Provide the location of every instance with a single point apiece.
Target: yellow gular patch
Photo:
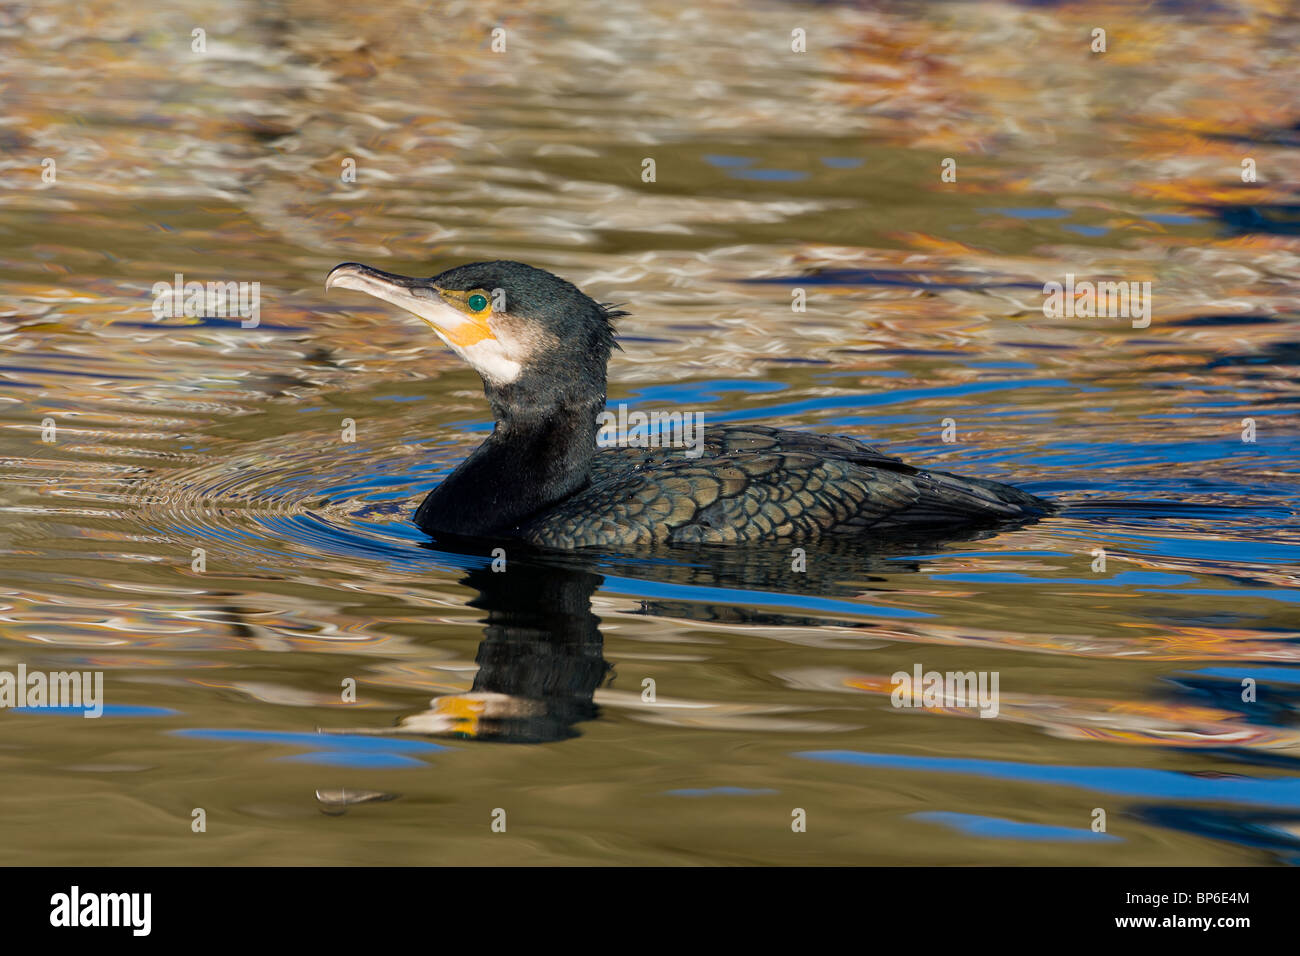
(470, 332)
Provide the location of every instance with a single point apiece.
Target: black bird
(541, 347)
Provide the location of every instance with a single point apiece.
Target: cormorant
(541, 347)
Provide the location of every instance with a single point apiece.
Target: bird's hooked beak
(446, 310)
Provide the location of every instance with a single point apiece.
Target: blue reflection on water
(1123, 579)
(1121, 781)
(769, 175)
(334, 750)
(641, 587)
(728, 162)
(1001, 829)
(1282, 675)
(110, 710)
(1030, 212)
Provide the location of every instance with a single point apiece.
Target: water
(1121, 689)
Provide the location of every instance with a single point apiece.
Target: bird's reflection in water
(755, 578)
(541, 659)
(539, 664)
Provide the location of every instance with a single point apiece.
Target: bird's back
(754, 483)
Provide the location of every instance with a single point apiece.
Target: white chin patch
(489, 359)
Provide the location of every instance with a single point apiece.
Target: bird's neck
(536, 455)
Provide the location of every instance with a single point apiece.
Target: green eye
(478, 302)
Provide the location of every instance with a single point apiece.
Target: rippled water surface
(1121, 689)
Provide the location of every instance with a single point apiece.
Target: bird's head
(525, 331)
